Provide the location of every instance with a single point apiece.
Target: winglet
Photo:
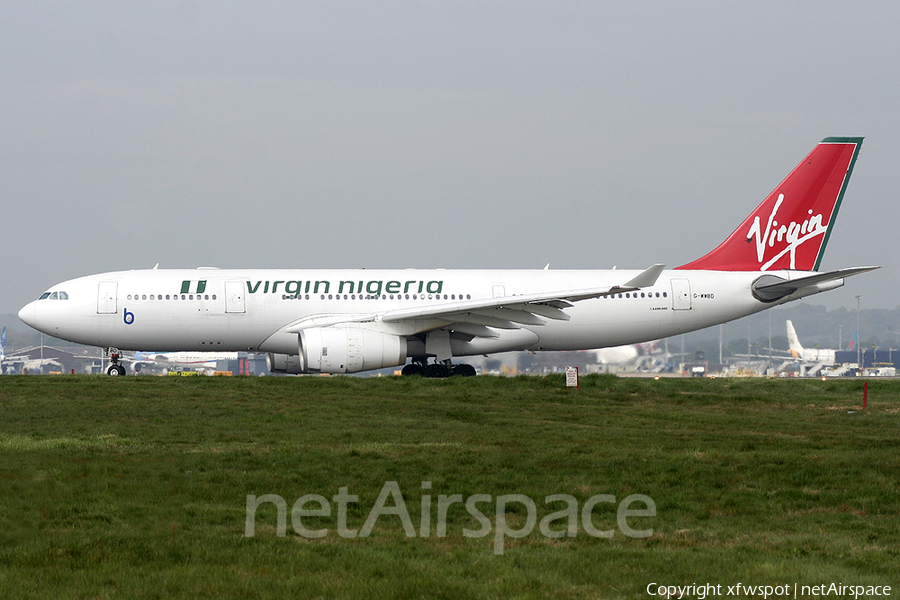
(646, 278)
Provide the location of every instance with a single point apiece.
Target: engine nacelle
(284, 363)
(338, 350)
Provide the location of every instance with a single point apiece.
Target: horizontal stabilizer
(771, 288)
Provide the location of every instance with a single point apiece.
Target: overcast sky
(432, 134)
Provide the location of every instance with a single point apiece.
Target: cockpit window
(54, 296)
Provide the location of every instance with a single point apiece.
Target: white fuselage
(184, 359)
(250, 310)
(816, 355)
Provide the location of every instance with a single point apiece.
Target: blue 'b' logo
(128, 316)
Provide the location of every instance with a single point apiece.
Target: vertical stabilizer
(791, 227)
(794, 341)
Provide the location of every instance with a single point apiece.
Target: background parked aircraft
(187, 360)
(808, 355)
(10, 363)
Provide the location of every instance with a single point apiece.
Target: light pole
(721, 330)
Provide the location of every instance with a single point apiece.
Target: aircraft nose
(26, 315)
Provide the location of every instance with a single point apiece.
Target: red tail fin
(790, 228)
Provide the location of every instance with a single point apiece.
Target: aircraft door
(234, 297)
(106, 298)
(499, 291)
(681, 294)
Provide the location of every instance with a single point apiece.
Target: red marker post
(865, 395)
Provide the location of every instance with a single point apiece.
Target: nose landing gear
(115, 368)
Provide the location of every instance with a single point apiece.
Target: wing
(480, 318)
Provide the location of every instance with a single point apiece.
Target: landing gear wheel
(115, 369)
(412, 369)
(437, 371)
(463, 371)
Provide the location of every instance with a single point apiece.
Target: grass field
(138, 486)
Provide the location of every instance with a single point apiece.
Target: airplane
(193, 360)
(620, 355)
(349, 321)
(7, 362)
(807, 355)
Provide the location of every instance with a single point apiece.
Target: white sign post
(572, 377)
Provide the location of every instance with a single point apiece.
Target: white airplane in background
(347, 321)
(807, 355)
(619, 355)
(192, 360)
(9, 361)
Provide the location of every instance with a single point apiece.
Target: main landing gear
(438, 370)
(115, 368)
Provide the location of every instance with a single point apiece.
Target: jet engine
(340, 350)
